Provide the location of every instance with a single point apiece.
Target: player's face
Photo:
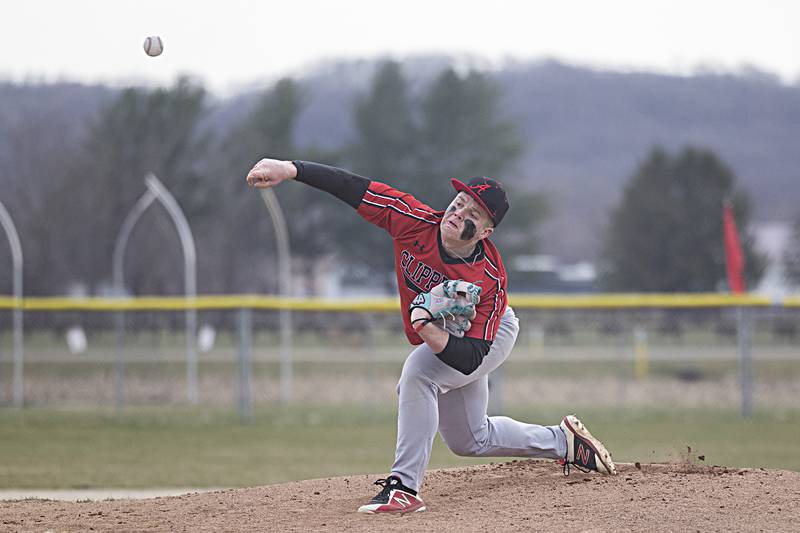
(465, 220)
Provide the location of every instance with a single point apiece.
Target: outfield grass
(180, 447)
(769, 370)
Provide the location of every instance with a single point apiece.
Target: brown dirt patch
(519, 495)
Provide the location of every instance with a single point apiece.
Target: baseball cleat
(393, 498)
(583, 450)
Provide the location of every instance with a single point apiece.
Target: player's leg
(467, 429)
(424, 378)
(417, 420)
(417, 414)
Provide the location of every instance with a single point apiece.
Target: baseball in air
(153, 46)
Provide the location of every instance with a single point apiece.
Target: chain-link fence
(623, 354)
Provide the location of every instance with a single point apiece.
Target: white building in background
(772, 238)
(548, 273)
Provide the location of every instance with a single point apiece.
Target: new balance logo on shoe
(401, 499)
(583, 454)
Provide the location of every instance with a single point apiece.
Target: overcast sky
(236, 42)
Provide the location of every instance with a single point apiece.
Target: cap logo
(488, 193)
(480, 188)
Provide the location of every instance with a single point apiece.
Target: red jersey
(421, 263)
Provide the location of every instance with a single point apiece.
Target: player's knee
(465, 442)
(464, 448)
(416, 382)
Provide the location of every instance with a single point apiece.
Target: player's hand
(270, 172)
(447, 300)
(456, 326)
(465, 292)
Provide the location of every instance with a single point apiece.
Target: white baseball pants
(432, 396)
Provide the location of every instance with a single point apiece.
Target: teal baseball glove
(445, 302)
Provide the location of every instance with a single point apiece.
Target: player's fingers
(253, 176)
(258, 176)
(438, 290)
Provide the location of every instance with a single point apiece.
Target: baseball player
(453, 297)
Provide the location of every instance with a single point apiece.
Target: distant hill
(43, 117)
(585, 131)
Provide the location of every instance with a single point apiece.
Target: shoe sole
(600, 451)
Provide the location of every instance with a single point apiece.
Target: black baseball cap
(488, 193)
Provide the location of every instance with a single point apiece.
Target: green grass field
(769, 370)
(188, 447)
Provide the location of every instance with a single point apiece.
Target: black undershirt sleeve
(465, 354)
(346, 186)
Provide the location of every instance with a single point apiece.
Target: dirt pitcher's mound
(516, 496)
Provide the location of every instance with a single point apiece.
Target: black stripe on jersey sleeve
(465, 354)
(343, 184)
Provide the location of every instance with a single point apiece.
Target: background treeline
(581, 151)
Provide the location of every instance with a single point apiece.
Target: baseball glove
(456, 326)
(446, 301)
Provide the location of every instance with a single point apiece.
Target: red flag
(734, 258)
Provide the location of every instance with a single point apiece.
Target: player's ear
(487, 231)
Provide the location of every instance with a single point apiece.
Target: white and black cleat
(583, 450)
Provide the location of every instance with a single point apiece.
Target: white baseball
(153, 46)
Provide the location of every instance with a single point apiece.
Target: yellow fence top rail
(179, 303)
(791, 301)
(616, 301)
(519, 301)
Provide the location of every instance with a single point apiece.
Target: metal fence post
(16, 258)
(641, 356)
(743, 336)
(286, 356)
(369, 321)
(118, 277)
(285, 289)
(189, 279)
(119, 362)
(245, 364)
(536, 338)
(19, 357)
(622, 360)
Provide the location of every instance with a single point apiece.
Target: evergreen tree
(666, 234)
(245, 258)
(141, 131)
(385, 148)
(454, 129)
(386, 129)
(463, 134)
